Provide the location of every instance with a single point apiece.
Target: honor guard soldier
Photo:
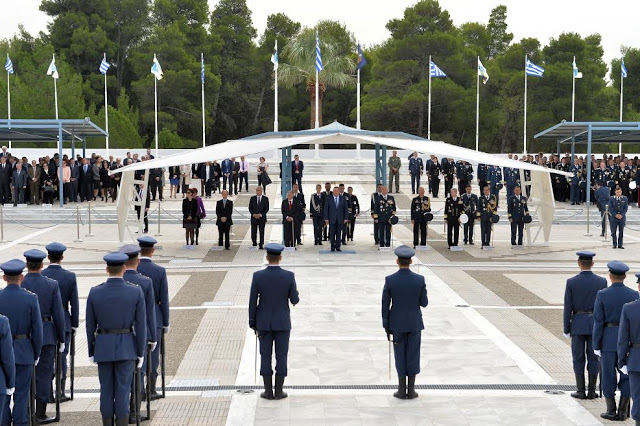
(132, 276)
(494, 176)
(403, 294)
(517, 209)
(453, 209)
(21, 307)
(271, 291)
(317, 214)
(486, 209)
(575, 171)
(374, 203)
(354, 211)
(512, 179)
(606, 314)
(579, 298)
(629, 353)
(470, 202)
(618, 206)
(7, 363)
(448, 169)
(53, 325)
(68, 286)
(416, 169)
(385, 208)
(420, 206)
(158, 276)
(116, 338)
(482, 176)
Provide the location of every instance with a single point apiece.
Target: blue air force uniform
(158, 276)
(606, 315)
(517, 209)
(629, 350)
(68, 286)
(579, 299)
(403, 294)
(576, 172)
(116, 338)
(21, 307)
(618, 206)
(384, 209)
(53, 327)
(494, 175)
(7, 363)
(602, 196)
(415, 169)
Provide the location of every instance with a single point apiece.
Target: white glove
(91, 360)
(37, 361)
(152, 346)
(74, 328)
(10, 391)
(140, 362)
(624, 370)
(598, 353)
(61, 348)
(166, 329)
(567, 335)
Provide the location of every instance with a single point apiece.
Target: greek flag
(623, 69)
(156, 69)
(436, 72)
(533, 69)
(53, 71)
(482, 72)
(202, 67)
(9, 65)
(104, 66)
(576, 72)
(274, 57)
(362, 61)
(319, 66)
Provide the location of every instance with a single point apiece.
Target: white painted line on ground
(379, 339)
(27, 237)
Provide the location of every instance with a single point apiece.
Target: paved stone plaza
(491, 348)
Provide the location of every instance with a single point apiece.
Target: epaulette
(30, 292)
(130, 283)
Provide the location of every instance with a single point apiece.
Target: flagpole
(55, 90)
(358, 124)
(8, 101)
(275, 85)
(525, 105)
(155, 87)
(317, 100)
(573, 97)
(204, 131)
(477, 104)
(429, 102)
(106, 107)
(621, 103)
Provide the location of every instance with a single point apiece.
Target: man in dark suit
(403, 294)
(299, 198)
(297, 167)
(6, 173)
(74, 170)
(290, 214)
(19, 182)
(258, 208)
(234, 176)
(336, 215)
(155, 182)
(316, 208)
(227, 171)
(224, 209)
(86, 181)
(207, 174)
(579, 298)
(146, 207)
(270, 318)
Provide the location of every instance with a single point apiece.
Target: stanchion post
(158, 234)
(2, 240)
(78, 239)
(89, 210)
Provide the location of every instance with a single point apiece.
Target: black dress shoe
(338, 249)
(333, 249)
(620, 247)
(261, 248)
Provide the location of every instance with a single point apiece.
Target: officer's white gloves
(91, 360)
(166, 329)
(61, 348)
(567, 335)
(624, 369)
(152, 346)
(10, 391)
(37, 361)
(598, 353)
(140, 362)
(74, 328)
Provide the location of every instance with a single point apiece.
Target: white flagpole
(358, 125)
(55, 90)
(525, 105)
(478, 105)
(275, 86)
(155, 87)
(621, 103)
(429, 108)
(8, 101)
(106, 108)
(573, 97)
(317, 100)
(204, 131)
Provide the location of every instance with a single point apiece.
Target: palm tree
(300, 67)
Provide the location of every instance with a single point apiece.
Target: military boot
(41, 411)
(279, 394)
(610, 414)
(268, 388)
(580, 394)
(154, 392)
(623, 408)
(411, 392)
(122, 421)
(61, 395)
(592, 387)
(107, 421)
(132, 413)
(402, 388)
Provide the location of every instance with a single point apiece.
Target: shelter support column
(381, 164)
(60, 184)
(573, 148)
(588, 179)
(84, 148)
(285, 185)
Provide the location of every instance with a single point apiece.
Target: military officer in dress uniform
(512, 179)
(494, 176)
(353, 208)
(374, 203)
(403, 294)
(271, 291)
(317, 208)
(575, 171)
(606, 315)
(68, 286)
(158, 276)
(21, 307)
(385, 208)
(53, 325)
(629, 353)
(470, 202)
(7, 363)
(453, 209)
(482, 177)
(434, 176)
(517, 209)
(618, 206)
(420, 206)
(602, 196)
(579, 298)
(416, 169)
(116, 338)
(486, 209)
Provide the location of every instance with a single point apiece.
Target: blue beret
(56, 248)
(147, 241)
(585, 254)
(130, 250)
(617, 268)
(115, 259)
(13, 267)
(34, 255)
(404, 252)
(274, 248)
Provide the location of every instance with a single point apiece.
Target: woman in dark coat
(105, 180)
(189, 216)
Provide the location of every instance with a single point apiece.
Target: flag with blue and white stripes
(274, 56)
(202, 67)
(9, 65)
(319, 66)
(104, 66)
(436, 72)
(482, 72)
(576, 71)
(623, 69)
(533, 69)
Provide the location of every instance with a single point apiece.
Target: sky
(615, 20)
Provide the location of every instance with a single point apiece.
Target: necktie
(289, 205)
(224, 203)
(259, 198)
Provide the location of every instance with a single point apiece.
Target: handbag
(266, 180)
